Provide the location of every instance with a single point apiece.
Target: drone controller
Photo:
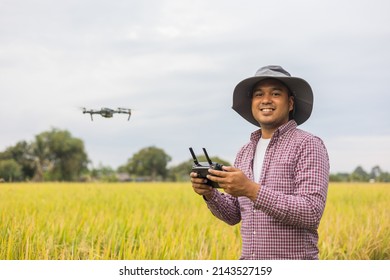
(201, 168)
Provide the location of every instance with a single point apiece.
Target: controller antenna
(207, 156)
(194, 157)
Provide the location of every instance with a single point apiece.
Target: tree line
(360, 175)
(56, 155)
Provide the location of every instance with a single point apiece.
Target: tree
(359, 175)
(41, 152)
(181, 171)
(378, 175)
(376, 172)
(383, 177)
(10, 170)
(22, 154)
(104, 173)
(339, 177)
(54, 155)
(150, 162)
(59, 156)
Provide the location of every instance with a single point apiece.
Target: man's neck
(266, 134)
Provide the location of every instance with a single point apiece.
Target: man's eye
(257, 94)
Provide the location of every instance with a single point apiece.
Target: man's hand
(200, 187)
(234, 182)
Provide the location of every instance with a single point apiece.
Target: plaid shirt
(282, 223)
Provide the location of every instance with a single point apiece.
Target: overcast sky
(175, 64)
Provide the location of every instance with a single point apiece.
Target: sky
(175, 63)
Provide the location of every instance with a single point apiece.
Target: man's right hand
(200, 187)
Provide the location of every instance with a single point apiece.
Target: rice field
(167, 221)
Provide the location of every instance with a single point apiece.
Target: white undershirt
(259, 157)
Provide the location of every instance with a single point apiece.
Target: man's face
(271, 104)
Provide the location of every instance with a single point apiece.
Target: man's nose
(266, 99)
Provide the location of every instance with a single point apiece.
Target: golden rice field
(167, 221)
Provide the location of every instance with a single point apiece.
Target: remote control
(201, 168)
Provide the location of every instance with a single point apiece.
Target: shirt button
(254, 233)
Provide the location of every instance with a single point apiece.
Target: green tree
(40, 150)
(359, 175)
(150, 163)
(59, 156)
(339, 177)
(376, 171)
(383, 177)
(10, 170)
(54, 155)
(23, 155)
(104, 173)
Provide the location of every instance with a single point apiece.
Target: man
(278, 186)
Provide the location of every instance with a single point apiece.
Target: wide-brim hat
(300, 89)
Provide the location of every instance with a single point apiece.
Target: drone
(107, 112)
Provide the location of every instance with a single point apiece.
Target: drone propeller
(124, 109)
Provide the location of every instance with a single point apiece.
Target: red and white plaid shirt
(282, 223)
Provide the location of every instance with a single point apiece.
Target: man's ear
(291, 103)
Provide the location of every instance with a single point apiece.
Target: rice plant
(166, 221)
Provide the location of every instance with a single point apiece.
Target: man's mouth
(267, 109)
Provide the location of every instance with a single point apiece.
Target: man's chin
(271, 124)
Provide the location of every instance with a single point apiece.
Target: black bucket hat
(300, 89)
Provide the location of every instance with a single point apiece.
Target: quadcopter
(107, 112)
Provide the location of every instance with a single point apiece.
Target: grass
(356, 222)
(166, 221)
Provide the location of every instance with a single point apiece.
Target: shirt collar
(256, 135)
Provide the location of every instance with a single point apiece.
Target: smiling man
(278, 186)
